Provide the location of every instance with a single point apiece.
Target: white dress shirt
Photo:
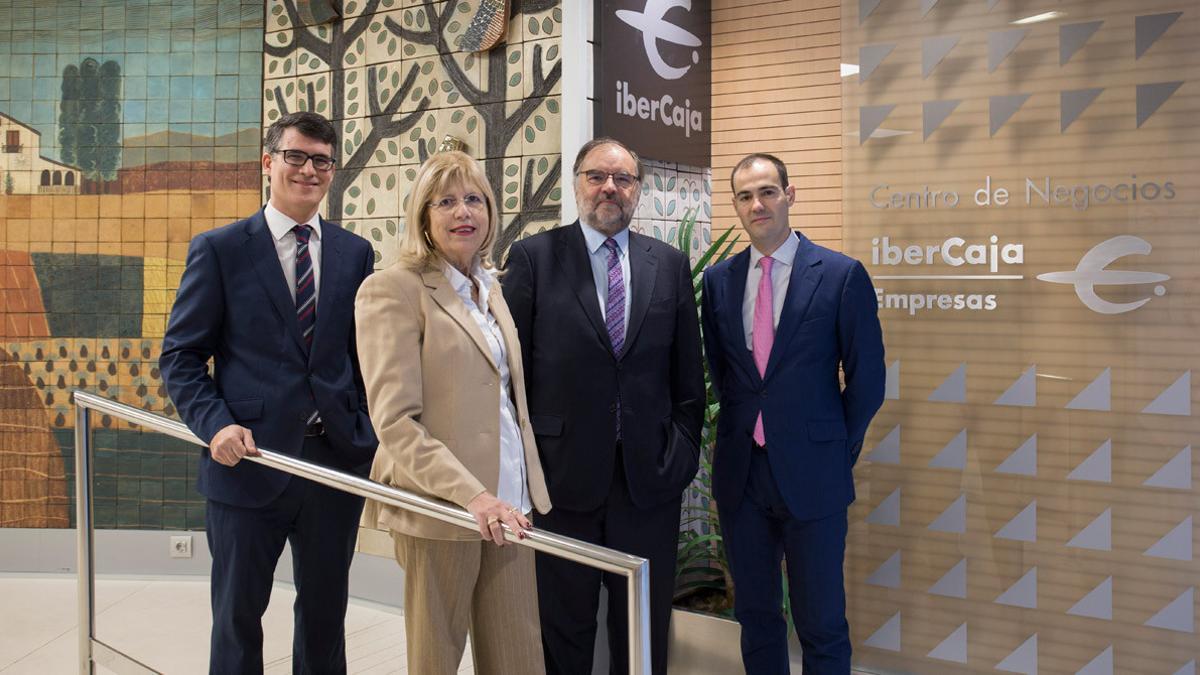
(285, 247)
(598, 255)
(512, 486)
(781, 273)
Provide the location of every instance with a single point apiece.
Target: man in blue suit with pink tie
(270, 300)
(780, 319)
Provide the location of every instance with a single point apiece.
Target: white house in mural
(23, 171)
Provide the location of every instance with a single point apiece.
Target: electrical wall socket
(181, 546)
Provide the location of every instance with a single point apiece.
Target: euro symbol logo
(1090, 273)
(654, 28)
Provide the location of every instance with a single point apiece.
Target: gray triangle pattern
(1149, 28)
(869, 119)
(1071, 105)
(1095, 396)
(933, 113)
(888, 449)
(953, 455)
(891, 389)
(1001, 108)
(927, 5)
(953, 648)
(1097, 536)
(1023, 659)
(869, 58)
(1178, 615)
(1023, 392)
(888, 511)
(1175, 399)
(887, 574)
(1023, 460)
(954, 388)
(1175, 474)
(1150, 98)
(1001, 44)
(933, 50)
(953, 584)
(1176, 544)
(992, 3)
(1188, 668)
(1023, 526)
(1097, 467)
(1072, 37)
(1101, 665)
(953, 519)
(1097, 604)
(1023, 593)
(887, 637)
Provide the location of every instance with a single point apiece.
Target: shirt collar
(462, 285)
(785, 254)
(595, 238)
(280, 224)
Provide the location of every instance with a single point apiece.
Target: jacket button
(762, 394)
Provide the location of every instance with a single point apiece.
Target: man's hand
(231, 444)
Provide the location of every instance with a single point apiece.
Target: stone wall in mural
(127, 128)
(393, 76)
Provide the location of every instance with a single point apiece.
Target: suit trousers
(758, 535)
(321, 523)
(569, 592)
(452, 588)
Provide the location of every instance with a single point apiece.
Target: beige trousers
(452, 588)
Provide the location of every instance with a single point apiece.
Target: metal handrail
(91, 650)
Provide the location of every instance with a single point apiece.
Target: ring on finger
(492, 520)
(514, 510)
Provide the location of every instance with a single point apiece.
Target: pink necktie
(763, 332)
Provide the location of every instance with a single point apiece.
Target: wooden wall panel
(777, 89)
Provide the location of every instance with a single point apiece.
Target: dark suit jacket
(573, 378)
(814, 427)
(233, 305)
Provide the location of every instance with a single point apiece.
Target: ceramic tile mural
(669, 191)
(128, 127)
(393, 79)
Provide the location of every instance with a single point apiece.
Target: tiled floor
(164, 622)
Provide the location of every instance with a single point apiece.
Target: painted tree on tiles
(399, 124)
(500, 126)
(89, 120)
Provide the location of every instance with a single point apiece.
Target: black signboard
(654, 77)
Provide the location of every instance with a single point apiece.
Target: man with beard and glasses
(611, 346)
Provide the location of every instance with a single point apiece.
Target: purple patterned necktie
(306, 296)
(614, 311)
(614, 308)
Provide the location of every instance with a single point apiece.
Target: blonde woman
(442, 368)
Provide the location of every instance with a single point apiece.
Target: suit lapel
(508, 329)
(330, 277)
(735, 293)
(260, 249)
(572, 257)
(643, 270)
(446, 298)
(806, 277)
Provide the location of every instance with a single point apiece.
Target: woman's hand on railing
(231, 444)
(490, 512)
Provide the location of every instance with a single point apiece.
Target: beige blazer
(432, 393)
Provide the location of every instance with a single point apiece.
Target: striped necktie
(306, 287)
(614, 308)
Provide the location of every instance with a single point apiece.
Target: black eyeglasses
(300, 157)
(620, 179)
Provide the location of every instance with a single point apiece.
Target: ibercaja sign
(654, 77)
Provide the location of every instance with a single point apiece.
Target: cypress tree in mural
(89, 120)
(9, 186)
(333, 43)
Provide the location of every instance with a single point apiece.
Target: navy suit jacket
(573, 379)
(234, 306)
(814, 426)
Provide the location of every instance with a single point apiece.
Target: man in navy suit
(611, 347)
(779, 319)
(270, 300)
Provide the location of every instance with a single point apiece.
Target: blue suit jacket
(233, 306)
(814, 426)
